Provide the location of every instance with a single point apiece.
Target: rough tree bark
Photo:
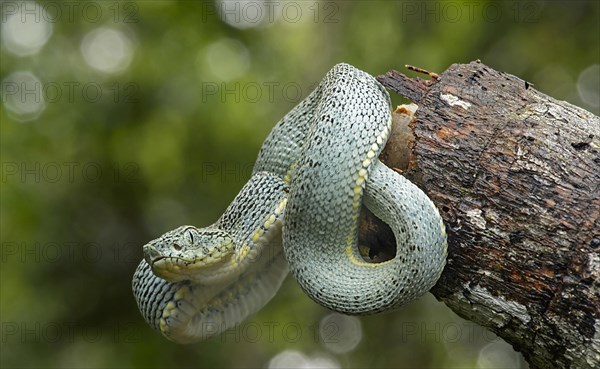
(516, 175)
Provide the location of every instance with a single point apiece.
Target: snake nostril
(176, 247)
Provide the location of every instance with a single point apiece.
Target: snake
(298, 214)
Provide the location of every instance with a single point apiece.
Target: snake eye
(190, 236)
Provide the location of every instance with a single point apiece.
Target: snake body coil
(314, 172)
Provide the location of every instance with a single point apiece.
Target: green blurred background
(122, 120)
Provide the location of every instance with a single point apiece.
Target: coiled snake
(300, 208)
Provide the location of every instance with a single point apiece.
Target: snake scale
(300, 210)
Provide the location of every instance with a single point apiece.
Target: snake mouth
(173, 263)
(188, 263)
(153, 261)
(177, 268)
(155, 258)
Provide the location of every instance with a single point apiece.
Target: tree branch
(516, 176)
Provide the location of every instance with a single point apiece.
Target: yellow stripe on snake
(300, 210)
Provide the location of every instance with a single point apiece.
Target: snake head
(190, 253)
